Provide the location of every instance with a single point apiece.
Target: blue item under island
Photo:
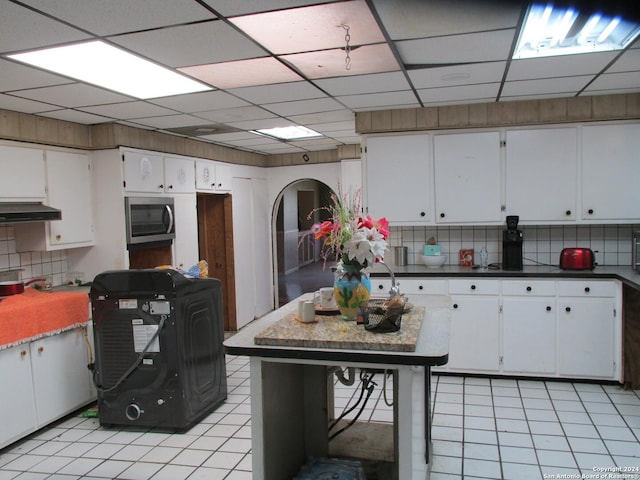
(292, 395)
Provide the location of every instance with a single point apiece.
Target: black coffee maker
(512, 245)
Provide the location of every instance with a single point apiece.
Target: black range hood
(20, 212)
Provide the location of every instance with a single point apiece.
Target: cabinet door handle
(23, 353)
(590, 211)
(169, 187)
(161, 186)
(423, 214)
(528, 289)
(548, 308)
(442, 215)
(40, 349)
(567, 213)
(455, 305)
(567, 309)
(473, 287)
(213, 185)
(420, 287)
(380, 287)
(58, 237)
(587, 289)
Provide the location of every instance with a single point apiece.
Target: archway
(298, 267)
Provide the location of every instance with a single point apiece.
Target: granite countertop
(627, 275)
(335, 344)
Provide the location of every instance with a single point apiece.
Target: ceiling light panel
(243, 73)
(331, 63)
(312, 28)
(101, 64)
(293, 132)
(559, 30)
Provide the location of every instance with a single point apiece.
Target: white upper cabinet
(399, 179)
(213, 177)
(541, 174)
(610, 172)
(69, 189)
(179, 175)
(467, 178)
(23, 173)
(143, 172)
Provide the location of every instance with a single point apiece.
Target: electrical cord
(368, 385)
(384, 389)
(135, 364)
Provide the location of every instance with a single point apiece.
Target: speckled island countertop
(423, 338)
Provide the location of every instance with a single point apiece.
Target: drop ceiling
(275, 63)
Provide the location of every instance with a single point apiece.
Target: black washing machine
(158, 340)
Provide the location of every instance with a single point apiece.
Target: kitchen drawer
(474, 287)
(534, 288)
(586, 288)
(380, 287)
(419, 286)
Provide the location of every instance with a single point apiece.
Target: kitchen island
(291, 390)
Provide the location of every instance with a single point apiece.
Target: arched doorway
(297, 263)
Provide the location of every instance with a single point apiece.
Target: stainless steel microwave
(150, 221)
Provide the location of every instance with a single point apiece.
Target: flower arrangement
(349, 237)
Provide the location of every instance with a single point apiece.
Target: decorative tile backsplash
(542, 244)
(31, 264)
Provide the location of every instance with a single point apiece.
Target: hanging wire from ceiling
(347, 48)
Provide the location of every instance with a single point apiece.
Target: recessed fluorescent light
(550, 30)
(294, 132)
(106, 66)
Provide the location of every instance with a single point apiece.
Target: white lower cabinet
(586, 338)
(475, 334)
(529, 335)
(60, 376)
(18, 403)
(41, 382)
(533, 327)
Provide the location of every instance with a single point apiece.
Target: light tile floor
(488, 428)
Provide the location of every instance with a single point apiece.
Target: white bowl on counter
(434, 261)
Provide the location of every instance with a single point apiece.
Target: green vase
(352, 289)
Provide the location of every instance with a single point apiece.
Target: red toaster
(577, 259)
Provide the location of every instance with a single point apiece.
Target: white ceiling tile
(22, 29)
(348, 126)
(303, 106)
(280, 92)
(107, 18)
(419, 18)
(15, 76)
(628, 62)
(372, 83)
(463, 93)
(331, 63)
(230, 137)
(261, 124)
(236, 114)
(241, 7)
(73, 95)
(629, 81)
(376, 100)
(472, 47)
(170, 121)
(323, 117)
(76, 117)
(568, 86)
(468, 74)
(198, 44)
(560, 66)
(128, 110)
(200, 102)
(312, 27)
(243, 73)
(9, 102)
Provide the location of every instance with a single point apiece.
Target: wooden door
(215, 245)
